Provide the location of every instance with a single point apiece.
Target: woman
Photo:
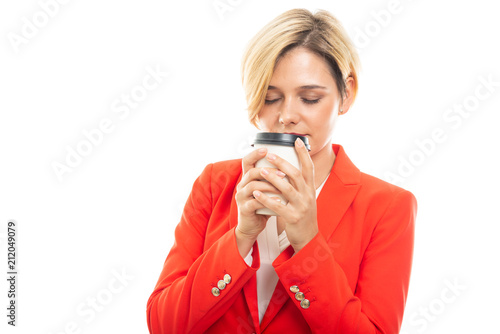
(337, 258)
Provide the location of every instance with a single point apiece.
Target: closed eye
(310, 101)
(304, 100)
(271, 101)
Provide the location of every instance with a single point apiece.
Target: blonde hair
(320, 33)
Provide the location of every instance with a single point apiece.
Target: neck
(323, 163)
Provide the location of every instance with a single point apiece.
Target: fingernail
(264, 171)
(299, 142)
(262, 151)
(280, 173)
(271, 156)
(256, 193)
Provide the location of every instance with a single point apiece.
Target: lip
(295, 133)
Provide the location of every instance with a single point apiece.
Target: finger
(305, 161)
(293, 173)
(262, 186)
(250, 206)
(272, 203)
(253, 180)
(284, 187)
(254, 174)
(251, 158)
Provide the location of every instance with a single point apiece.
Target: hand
(299, 214)
(251, 224)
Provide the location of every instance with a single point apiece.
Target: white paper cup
(283, 145)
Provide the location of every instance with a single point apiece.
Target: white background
(116, 211)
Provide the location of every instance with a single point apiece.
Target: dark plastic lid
(276, 138)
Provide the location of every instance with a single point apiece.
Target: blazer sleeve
(378, 302)
(182, 301)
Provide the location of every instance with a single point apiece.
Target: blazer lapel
(337, 193)
(335, 197)
(278, 299)
(250, 292)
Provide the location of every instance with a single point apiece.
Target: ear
(348, 97)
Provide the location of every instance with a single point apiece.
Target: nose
(288, 113)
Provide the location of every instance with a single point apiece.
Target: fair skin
(302, 98)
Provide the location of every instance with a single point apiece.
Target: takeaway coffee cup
(283, 145)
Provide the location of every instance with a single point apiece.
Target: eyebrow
(301, 87)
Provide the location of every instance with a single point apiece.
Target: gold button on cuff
(305, 304)
(221, 284)
(227, 278)
(299, 296)
(215, 292)
(294, 289)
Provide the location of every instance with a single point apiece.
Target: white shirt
(270, 246)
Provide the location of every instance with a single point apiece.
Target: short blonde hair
(320, 33)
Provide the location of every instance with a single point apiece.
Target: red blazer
(355, 272)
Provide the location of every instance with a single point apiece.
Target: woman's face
(303, 99)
